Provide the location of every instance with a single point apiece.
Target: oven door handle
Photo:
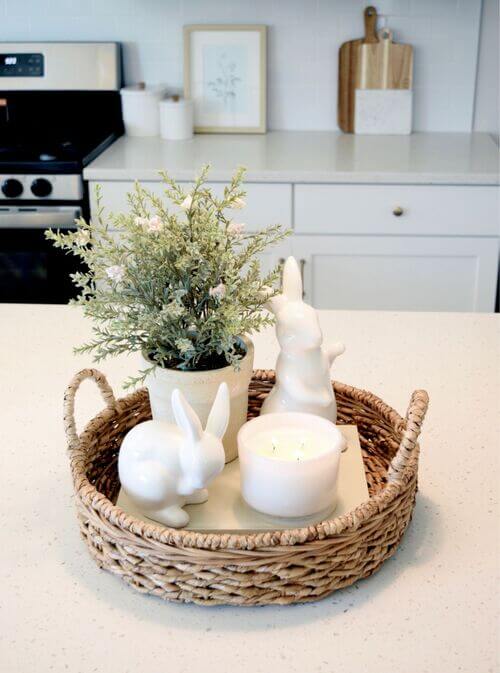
(47, 218)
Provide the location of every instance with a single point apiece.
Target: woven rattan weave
(280, 567)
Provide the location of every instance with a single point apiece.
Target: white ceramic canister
(140, 112)
(176, 118)
(200, 389)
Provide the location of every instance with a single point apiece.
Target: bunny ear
(276, 303)
(292, 280)
(185, 417)
(218, 417)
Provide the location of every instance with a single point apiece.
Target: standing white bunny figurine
(303, 366)
(163, 467)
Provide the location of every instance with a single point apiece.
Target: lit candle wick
(300, 452)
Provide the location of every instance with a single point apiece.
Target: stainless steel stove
(59, 109)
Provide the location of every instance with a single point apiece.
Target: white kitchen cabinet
(399, 273)
(398, 247)
(416, 247)
(266, 203)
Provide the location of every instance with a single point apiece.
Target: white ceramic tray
(226, 511)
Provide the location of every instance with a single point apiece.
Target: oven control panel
(21, 65)
(41, 187)
(59, 66)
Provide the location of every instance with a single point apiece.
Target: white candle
(289, 464)
(289, 444)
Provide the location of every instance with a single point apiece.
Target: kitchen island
(431, 607)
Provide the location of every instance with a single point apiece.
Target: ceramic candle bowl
(289, 463)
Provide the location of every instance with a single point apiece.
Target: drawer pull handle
(302, 263)
(281, 266)
(398, 211)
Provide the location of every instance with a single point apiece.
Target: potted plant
(179, 281)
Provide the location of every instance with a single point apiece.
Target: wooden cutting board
(384, 64)
(349, 71)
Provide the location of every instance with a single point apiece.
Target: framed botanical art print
(225, 76)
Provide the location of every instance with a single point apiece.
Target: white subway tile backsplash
(341, 7)
(303, 41)
(393, 7)
(105, 8)
(445, 8)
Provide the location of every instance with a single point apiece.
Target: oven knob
(12, 188)
(41, 187)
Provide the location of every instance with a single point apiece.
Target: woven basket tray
(280, 567)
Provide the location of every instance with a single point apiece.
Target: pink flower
(82, 237)
(218, 291)
(187, 203)
(141, 221)
(238, 203)
(154, 225)
(116, 272)
(235, 228)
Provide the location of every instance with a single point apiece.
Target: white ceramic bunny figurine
(303, 366)
(163, 467)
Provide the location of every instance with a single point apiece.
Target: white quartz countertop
(307, 156)
(430, 609)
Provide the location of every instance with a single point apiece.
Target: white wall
(486, 113)
(304, 37)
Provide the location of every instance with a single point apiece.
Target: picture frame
(225, 76)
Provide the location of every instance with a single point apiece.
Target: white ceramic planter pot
(200, 388)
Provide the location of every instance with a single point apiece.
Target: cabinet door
(399, 273)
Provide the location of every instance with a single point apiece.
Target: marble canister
(383, 111)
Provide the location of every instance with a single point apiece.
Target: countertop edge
(124, 175)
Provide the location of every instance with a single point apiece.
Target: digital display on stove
(21, 65)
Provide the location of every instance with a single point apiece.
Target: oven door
(31, 269)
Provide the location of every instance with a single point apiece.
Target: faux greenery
(181, 284)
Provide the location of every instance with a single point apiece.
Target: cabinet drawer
(397, 210)
(266, 203)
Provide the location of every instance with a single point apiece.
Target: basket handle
(413, 422)
(69, 400)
